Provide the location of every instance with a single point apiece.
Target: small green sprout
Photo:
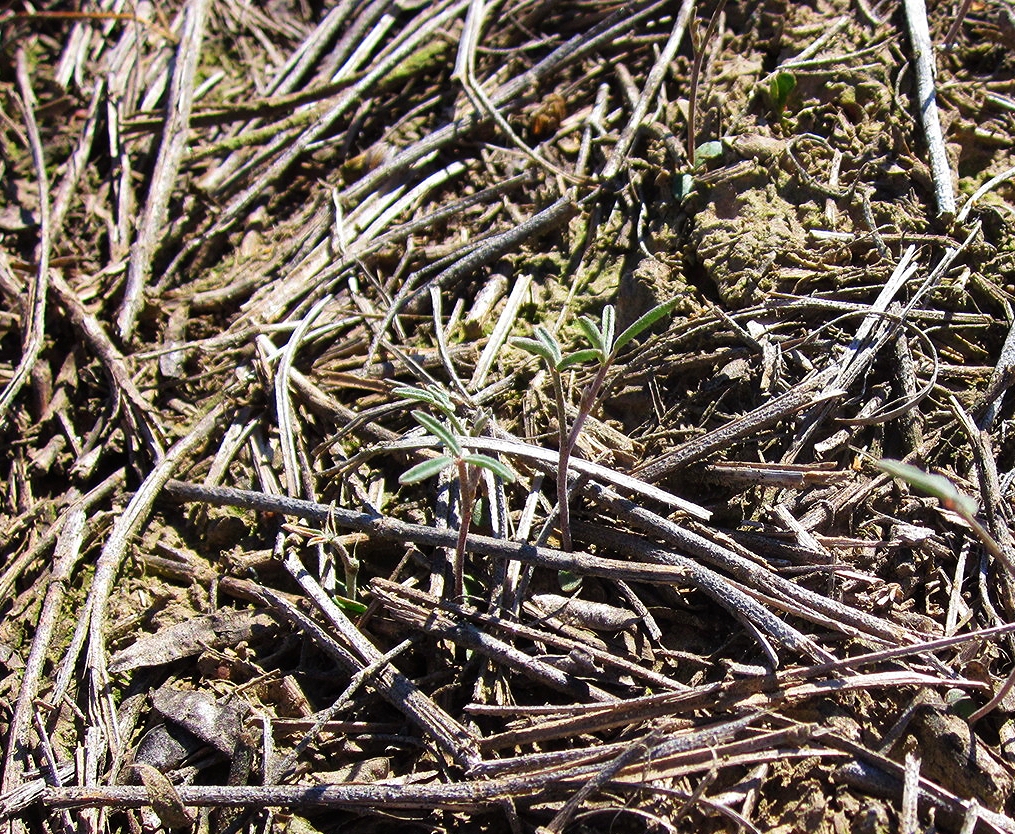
(604, 347)
(455, 454)
(780, 86)
(329, 537)
(712, 149)
(434, 396)
(468, 465)
(963, 505)
(939, 487)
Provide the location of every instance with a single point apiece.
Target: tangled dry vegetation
(242, 244)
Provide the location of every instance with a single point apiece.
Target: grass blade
(935, 485)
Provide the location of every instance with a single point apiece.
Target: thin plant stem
(692, 98)
(587, 403)
(953, 31)
(565, 453)
(466, 494)
(567, 445)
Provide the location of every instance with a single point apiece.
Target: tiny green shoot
(603, 348)
(939, 487)
(706, 151)
(446, 432)
(780, 87)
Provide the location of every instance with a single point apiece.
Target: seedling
(696, 66)
(604, 347)
(331, 538)
(780, 86)
(939, 487)
(468, 465)
(712, 149)
(958, 502)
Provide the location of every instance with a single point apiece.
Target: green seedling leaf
(548, 339)
(579, 357)
(609, 327)
(349, 605)
(494, 465)
(411, 392)
(433, 397)
(537, 348)
(644, 323)
(570, 583)
(544, 346)
(426, 469)
(960, 702)
(594, 336)
(479, 422)
(473, 588)
(440, 431)
(683, 185)
(779, 88)
(706, 151)
(935, 485)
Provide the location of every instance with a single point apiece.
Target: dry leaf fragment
(191, 637)
(217, 723)
(164, 798)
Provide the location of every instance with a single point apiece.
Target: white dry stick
(68, 551)
(598, 472)
(593, 470)
(283, 402)
(501, 331)
(114, 551)
(465, 72)
(33, 321)
(908, 822)
(987, 187)
(652, 84)
(923, 57)
(403, 203)
(442, 343)
(875, 327)
(167, 165)
(239, 205)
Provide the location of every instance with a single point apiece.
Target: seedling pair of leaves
(780, 87)
(446, 431)
(603, 348)
(951, 498)
(448, 439)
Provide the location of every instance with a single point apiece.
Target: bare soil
(232, 236)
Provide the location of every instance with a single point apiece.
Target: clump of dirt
(744, 236)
